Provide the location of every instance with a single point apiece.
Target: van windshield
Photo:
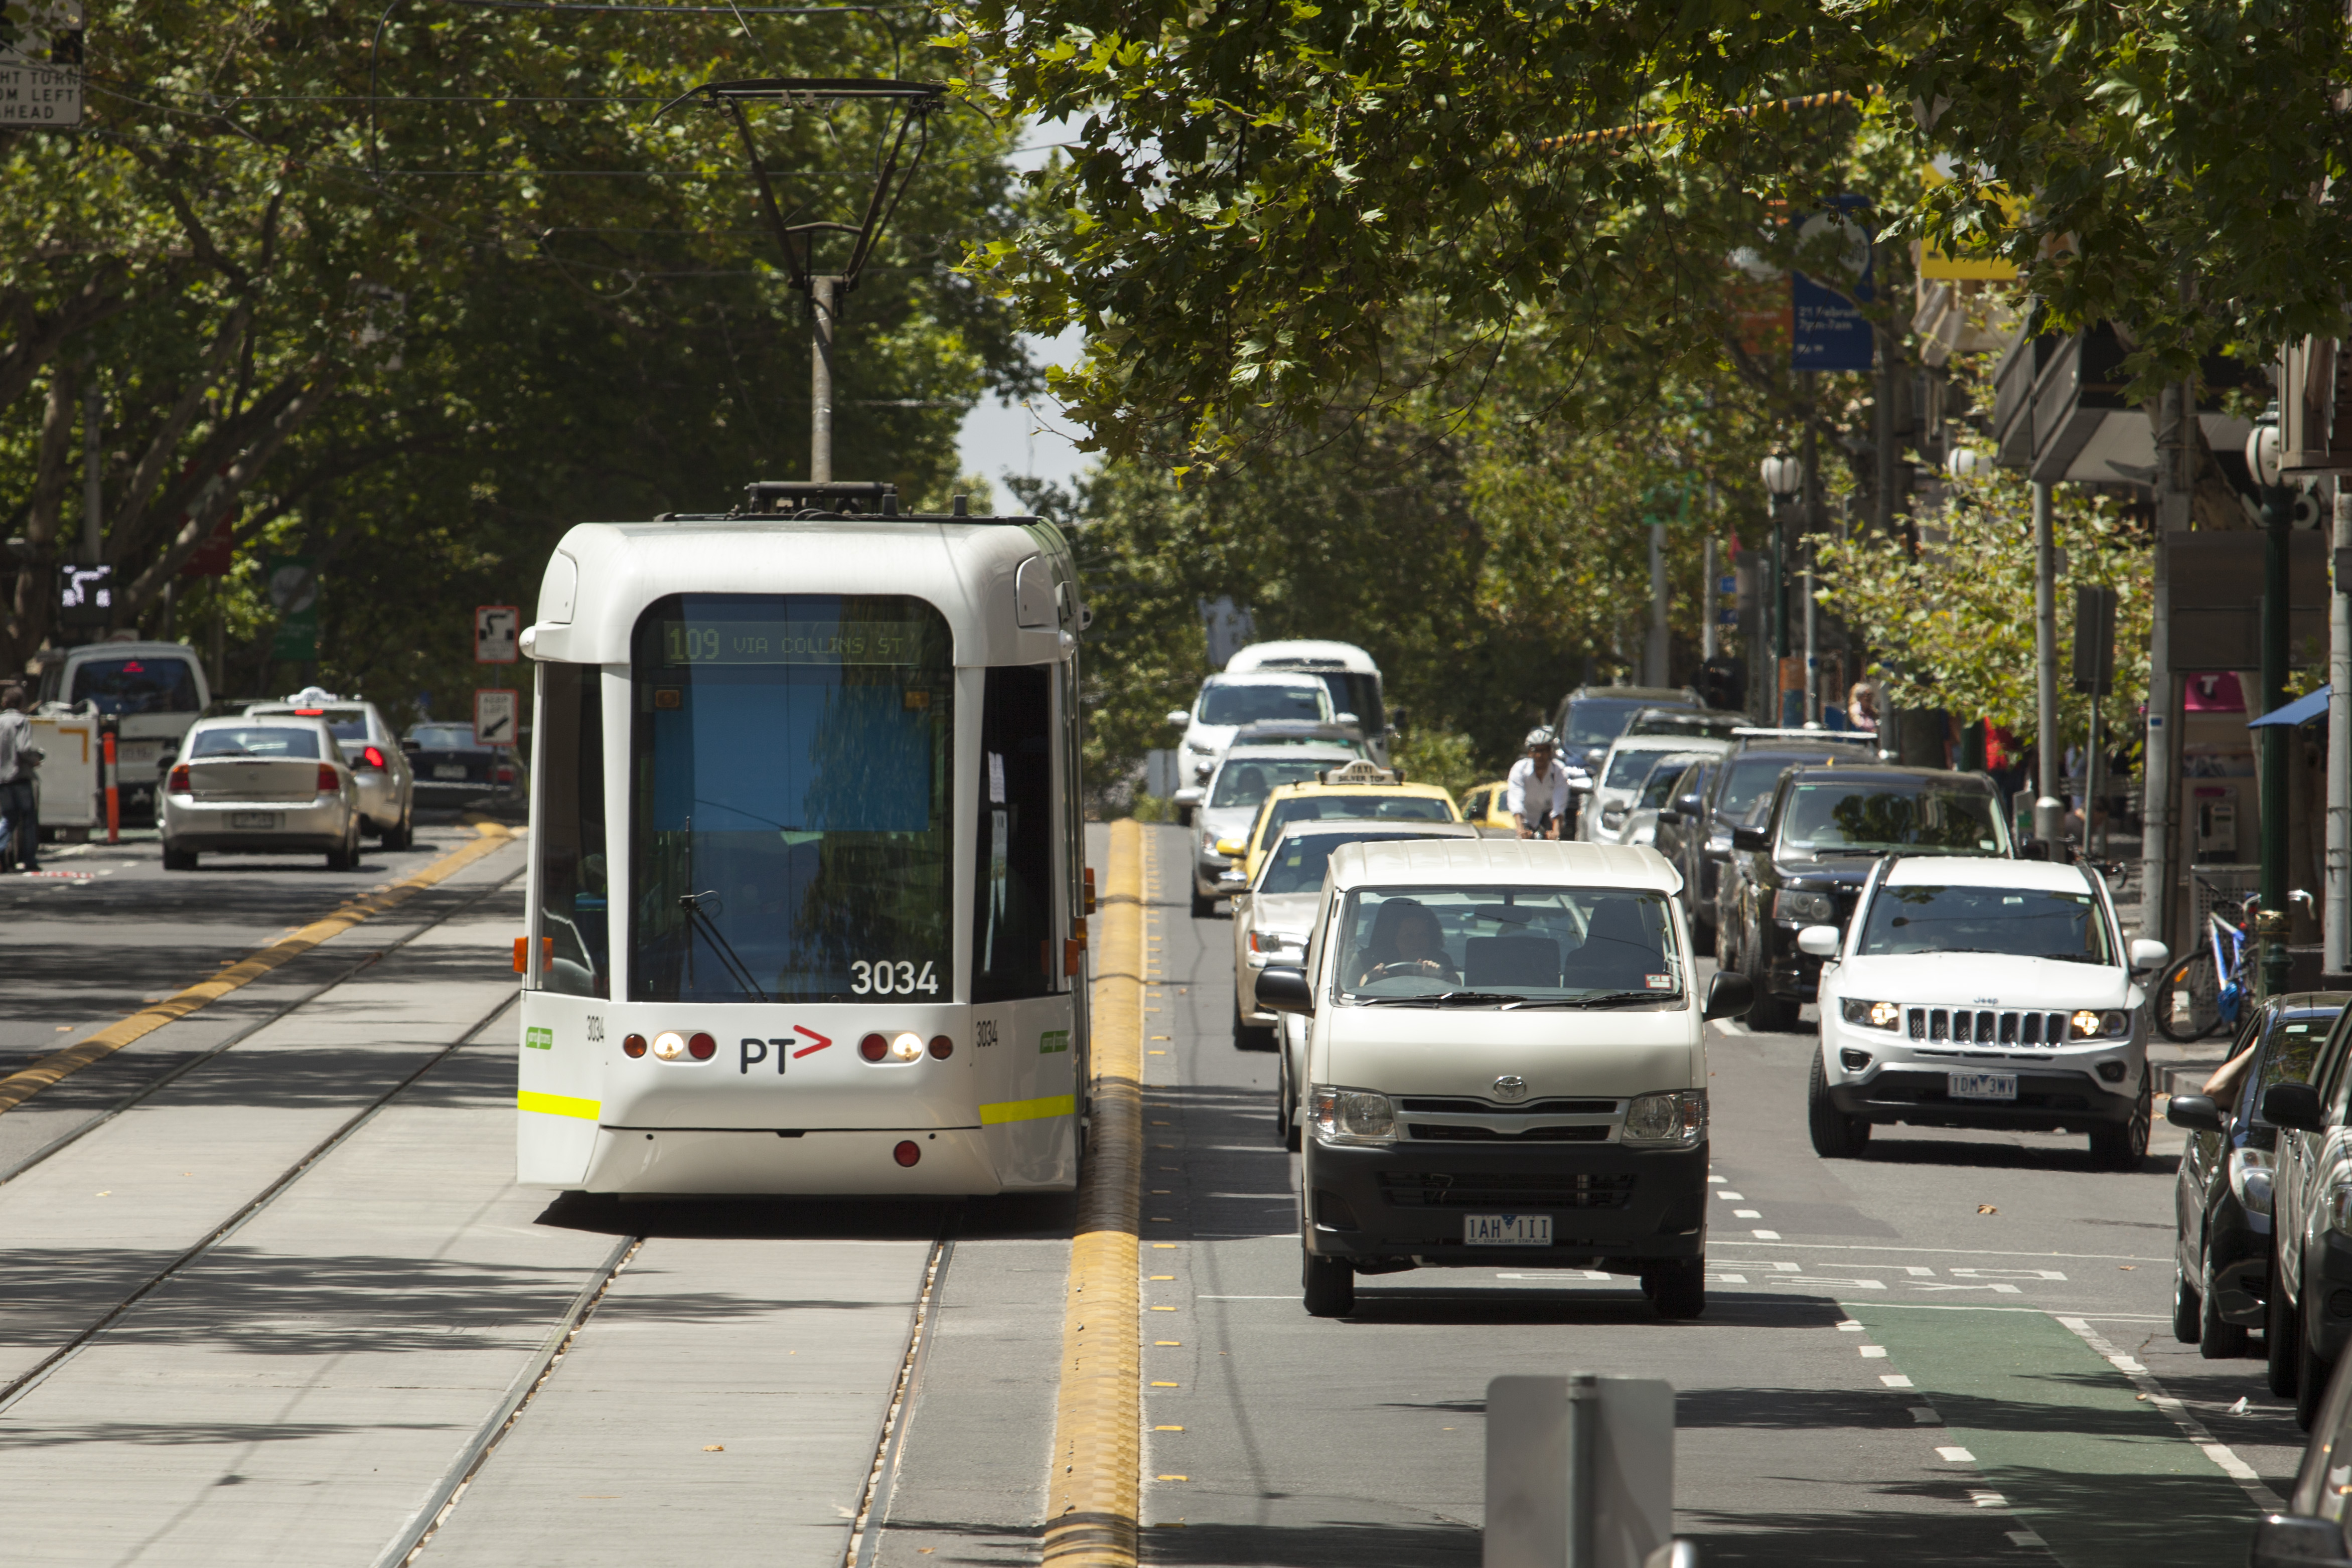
(1223, 704)
(1491, 945)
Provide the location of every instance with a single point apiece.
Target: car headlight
(1675, 1116)
(1273, 947)
(2112, 1024)
(1350, 1115)
(2250, 1179)
(2339, 1208)
(1800, 906)
(1871, 1014)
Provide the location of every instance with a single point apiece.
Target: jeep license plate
(1982, 1085)
(1506, 1230)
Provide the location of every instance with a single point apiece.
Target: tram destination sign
(688, 642)
(41, 63)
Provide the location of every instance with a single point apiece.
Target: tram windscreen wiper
(698, 919)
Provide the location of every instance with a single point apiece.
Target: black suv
(1805, 859)
(1694, 830)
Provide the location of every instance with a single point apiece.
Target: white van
(1226, 704)
(155, 691)
(1505, 1066)
(1346, 671)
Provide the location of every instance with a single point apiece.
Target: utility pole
(2271, 923)
(823, 291)
(92, 499)
(1655, 655)
(2049, 811)
(1813, 645)
(2336, 956)
(1809, 526)
(2160, 807)
(1707, 643)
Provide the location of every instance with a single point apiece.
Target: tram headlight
(669, 1045)
(906, 1046)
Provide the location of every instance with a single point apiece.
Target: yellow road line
(1095, 1490)
(1028, 1110)
(21, 1086)
(558, 1104)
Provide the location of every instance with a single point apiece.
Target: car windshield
(1659, 788)
(1223, 704)
(443, 737)
(1352, 806)
(1298, 864)
(257, 740)
(790, 799)
(2015, 922)
(1248, 781)
(1597, 721)
(1749, 780)
(2288, 1052)
(1487, 946)
(1690, 722)
(1831, 817)
(1630, 767)
(124, 687)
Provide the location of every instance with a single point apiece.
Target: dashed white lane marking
(1956, 1455)
(1872, 1352)
(1766, 1235)
(1733, 1197)
(1984, 1498)
(2222, 1455)
(1747, 1214)
(1893, 1380)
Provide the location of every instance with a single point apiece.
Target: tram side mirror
(1283, 988)
(1178, 715)
(2197, 1112)
(2147, 956)
(1729, 995)
(2295, 1105)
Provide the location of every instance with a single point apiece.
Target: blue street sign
(1828, 330)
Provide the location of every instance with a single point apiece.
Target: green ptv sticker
(1052, 1040)
(539, 1039)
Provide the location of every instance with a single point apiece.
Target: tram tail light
(907, 1152)
(1090, 890)
(942, 1047)
(1078, 931)
(633, 1045)
(328, 783)
(522, 954)
(1074, 957)
(702, 1048)
(874, 1048)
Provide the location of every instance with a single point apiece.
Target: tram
(807, 891)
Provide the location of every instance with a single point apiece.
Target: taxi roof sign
(1361, 772)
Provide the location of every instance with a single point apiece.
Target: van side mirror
(1283, 988)
(1729, 995)
(1753, 839)
(2197, 1112)
(2295, 1105)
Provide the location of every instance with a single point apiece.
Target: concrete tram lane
(1883, 1373)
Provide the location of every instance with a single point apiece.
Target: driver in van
(1536, 794)
(1406, 940)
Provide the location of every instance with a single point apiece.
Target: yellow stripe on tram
(1028, 1110)
(558, 1104)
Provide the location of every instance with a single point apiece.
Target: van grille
(1438, 1131)
(1504, 1191)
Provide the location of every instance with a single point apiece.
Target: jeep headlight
(1802, 906)
(2250, 1179)
(1671, 1117)
(1871, 1014)
(2091, 1024)
(1350, 1115)
(2339, 1208)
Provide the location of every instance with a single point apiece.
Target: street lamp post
(2049, 811)
(2278, 510)
(1783, 477)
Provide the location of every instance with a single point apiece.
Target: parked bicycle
(2211, 987)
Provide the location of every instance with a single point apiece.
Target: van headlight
(1871, 1014)
(2250, 1179)
(1674, 1117)
(2090, 1024)
(1350, 1115)
(1802, 906)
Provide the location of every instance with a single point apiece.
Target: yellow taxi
(1488, 808)
(1361, 791)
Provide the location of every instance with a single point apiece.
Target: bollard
(113, 796)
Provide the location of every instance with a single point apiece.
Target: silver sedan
(387, 780)
(265, 786)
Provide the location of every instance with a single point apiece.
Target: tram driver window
(569, 828)
(1013, 918)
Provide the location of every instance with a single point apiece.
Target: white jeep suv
(1981, 992)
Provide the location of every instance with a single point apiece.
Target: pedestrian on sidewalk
(20, 824)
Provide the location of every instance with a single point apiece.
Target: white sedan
(268, 785)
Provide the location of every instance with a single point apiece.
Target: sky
(1023, 439)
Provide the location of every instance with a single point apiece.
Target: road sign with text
(498, 717)
(41, 63)
(497, 631)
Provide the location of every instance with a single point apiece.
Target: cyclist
(1537, 791)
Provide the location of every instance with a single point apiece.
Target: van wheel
(1203, 908)
(1836, 1136)
(2281, 1331)
(1770, 1014)
(179, 860)
(1678, 1292)
(1328, 1285)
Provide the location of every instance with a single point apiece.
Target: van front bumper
(1611, 1206)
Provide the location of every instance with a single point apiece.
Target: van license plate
(252, 820)
(1982, 1085)
(1506, 1230)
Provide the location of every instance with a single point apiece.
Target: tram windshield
(790, 811)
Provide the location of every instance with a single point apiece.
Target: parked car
(1488, 808)
(1805, 861)
(1356, 792)
(454, 771)
(1243, 780)
(2305, 1325)
(271, 785)
(1696, 834)
(1226, 704)
(152, 691)
(1623, 768)
(1347, 672)
(1590, 718)
(387, 783)
(2317, 1527)
(1636, 821)
(1273, 916)
(1974, 991)
(1552, 1106)
(2221, 1197)
(1301, 732)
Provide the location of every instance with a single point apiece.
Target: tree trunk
(36, 595)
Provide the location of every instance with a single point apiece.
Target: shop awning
(2303, 710)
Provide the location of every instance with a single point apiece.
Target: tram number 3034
(883, 978)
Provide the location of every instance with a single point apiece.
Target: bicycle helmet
(1540, 736)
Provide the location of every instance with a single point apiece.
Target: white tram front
(807, 894)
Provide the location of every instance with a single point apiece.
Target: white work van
(153, 691)
(1347, 672)
(1505, 1066)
